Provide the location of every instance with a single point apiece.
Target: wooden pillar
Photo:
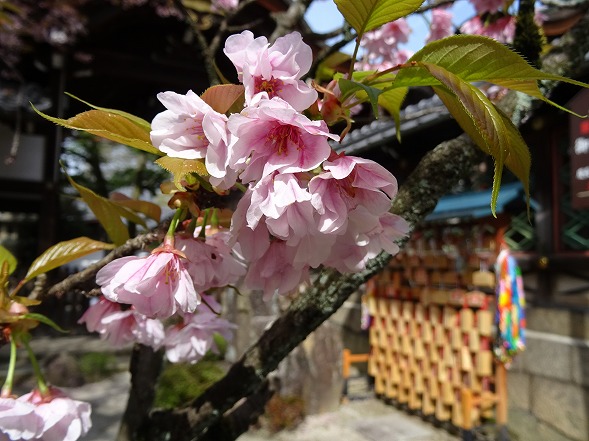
(49, 209)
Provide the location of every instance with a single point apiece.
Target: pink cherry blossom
(191, 129)
(347, 183)
(250, 243)
(211, 262)
(275, 69)
(193, 338)
(181, 131)
(156, 285)
(285, 205)
(482, 6)
(110, 321)
(18, 420)
(231, 266)
(380, 41)
(381, 46)
(224, 5)
(279, 206)
(501, 29)
(64, 419)
(275, 272)
(148, 332)
(393, 58)
(365, 237)
(441, 24)
(272, 136)
(120, 327)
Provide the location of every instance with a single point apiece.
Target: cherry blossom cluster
(186, 339)
(303, 205)
(491, 20)
(382, 46)
(169, 282)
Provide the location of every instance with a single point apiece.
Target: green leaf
(476, 58)
(43, 319)
(134, 119)
(391, 100)
(25, 300)
(127, 213)
(365, 15)
(149, 209)
(493, 134)
(518, 158)
(198, 6)
(64, 252)
(349, 88)
(107, 213)
(108, 125)
(181, 167)
(224, 97)
(327, 67)
(7, 256)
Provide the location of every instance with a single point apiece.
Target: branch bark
(132, 245)
(146, 365)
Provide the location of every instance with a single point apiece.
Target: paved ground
(108, 399)
(359, 420)
(366, 419)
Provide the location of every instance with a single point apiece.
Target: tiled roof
(419, 116)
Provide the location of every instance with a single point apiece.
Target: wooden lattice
(431, 338)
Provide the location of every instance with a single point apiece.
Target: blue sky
(323, 16)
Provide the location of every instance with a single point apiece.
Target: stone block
(63, 370)
(553, 321)
(547, 358)
(580, 364)
(518, 363)
(558, 321)
(313, 370)
(563, 406)
(523, 426)
(518, 390)
(348, 316)
(580, 325)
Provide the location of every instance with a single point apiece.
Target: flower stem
(7, 387)
(354, 57)
(41, 384)
(174, 223)
(240, 187)
(205, 221)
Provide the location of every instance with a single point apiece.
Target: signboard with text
(579, 151)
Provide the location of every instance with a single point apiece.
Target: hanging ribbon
(510, 317)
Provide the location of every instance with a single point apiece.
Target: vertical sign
(579, 151)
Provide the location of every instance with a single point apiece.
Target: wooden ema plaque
(431, 352)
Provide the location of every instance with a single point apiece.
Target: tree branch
(287, 21)
(239, 419)
(86, 274)
(146, 365)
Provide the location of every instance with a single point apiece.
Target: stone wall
(313, 370)
(548, 384)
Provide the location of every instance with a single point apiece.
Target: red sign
(579, 142)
